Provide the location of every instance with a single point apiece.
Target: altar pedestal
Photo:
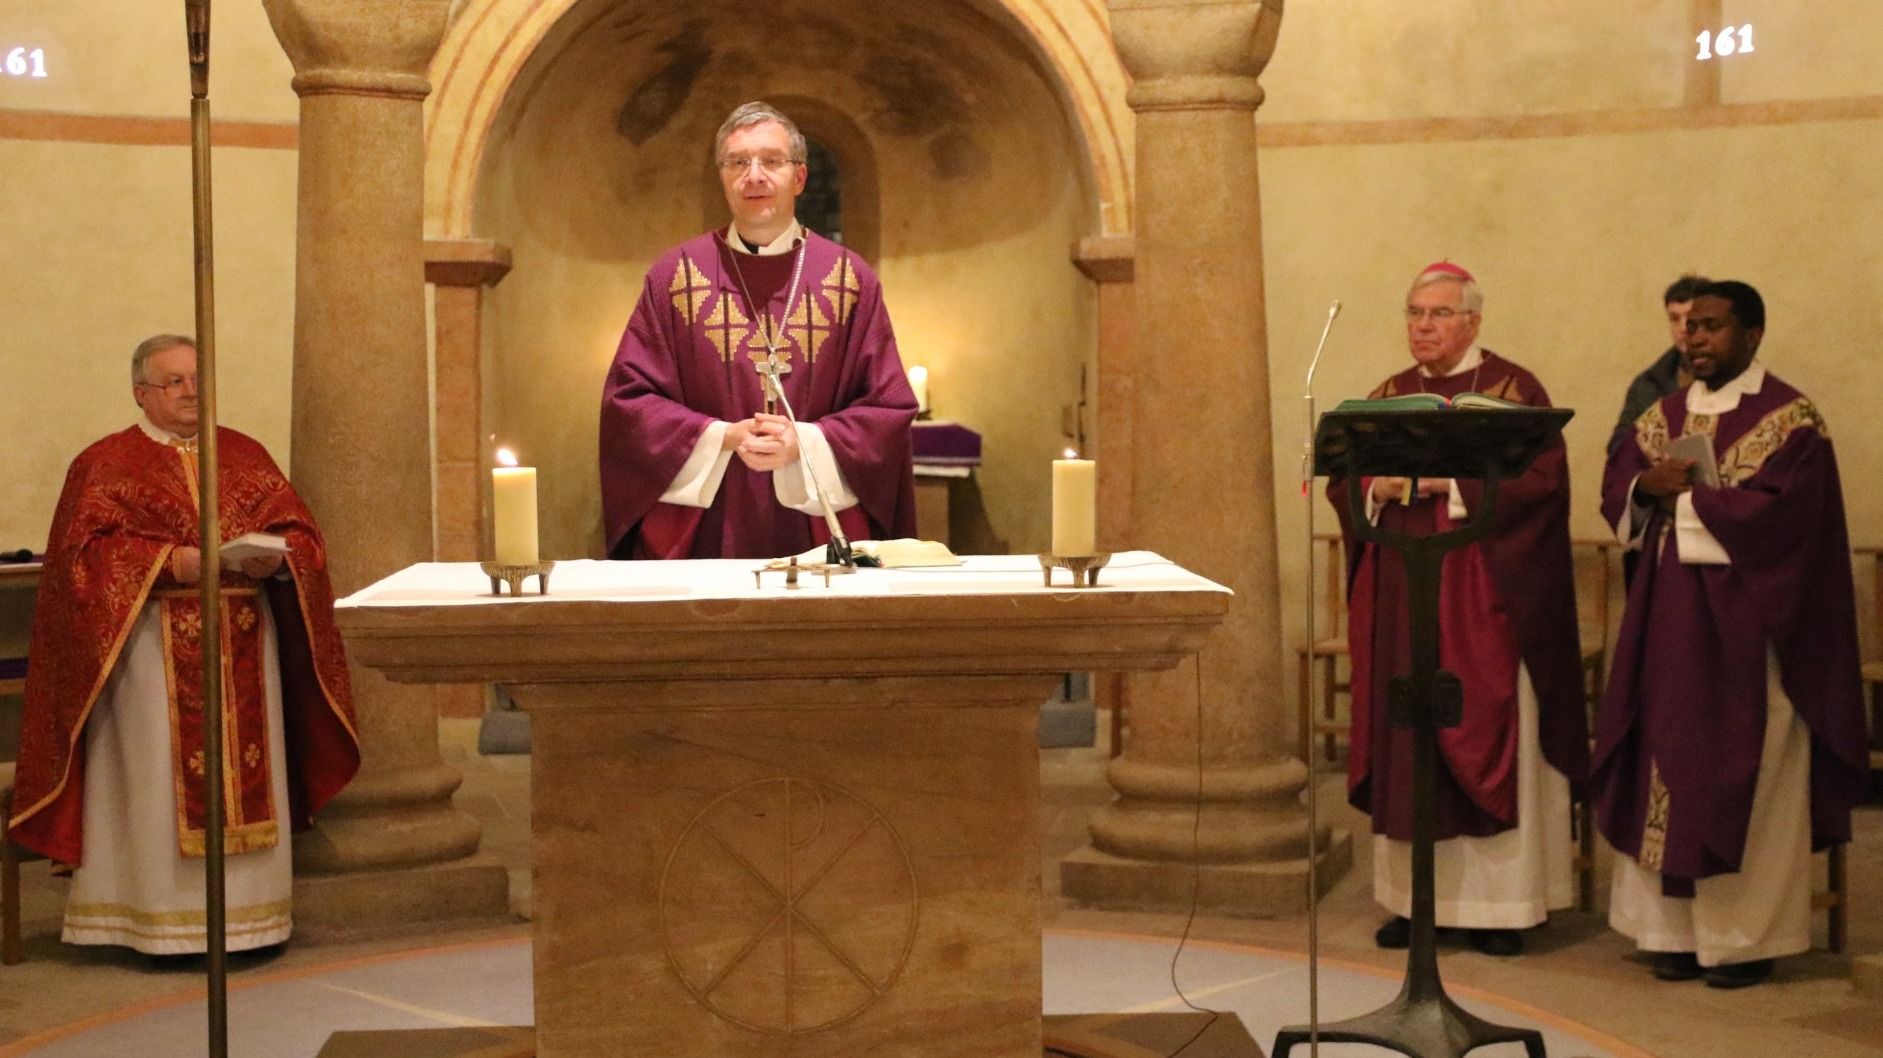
(785, 822)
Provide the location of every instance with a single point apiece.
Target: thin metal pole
(1314, 798)
(196, 23)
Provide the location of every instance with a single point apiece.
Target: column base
(1241, 890)
(1866, 974)
(336, 907)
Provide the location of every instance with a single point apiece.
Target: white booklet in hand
(1699, 448)
(253, 545)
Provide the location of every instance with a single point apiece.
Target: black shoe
(1395, 935)
(1676, 966)
(168, 963)
(1738, 974)
(1502, 943)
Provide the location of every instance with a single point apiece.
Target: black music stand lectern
(1489, 445)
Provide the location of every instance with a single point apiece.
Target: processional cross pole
(196, 24)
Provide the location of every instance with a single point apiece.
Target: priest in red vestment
(110, 774)
(1507, 628)
(693, 463)
(1731, 741)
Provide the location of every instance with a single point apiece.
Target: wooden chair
(11, 856)
(1329, 646)
(1873, 668)
(1594, 560)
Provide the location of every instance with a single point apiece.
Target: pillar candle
(918, 381)
(513, 507)
(1075, 505)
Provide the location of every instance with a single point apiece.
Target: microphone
(1333, 313)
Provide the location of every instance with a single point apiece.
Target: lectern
(784, 821)
(1488, 444)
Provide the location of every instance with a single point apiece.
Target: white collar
(1703, 399)
(1473, 358)
(782, 244)
(161, 435)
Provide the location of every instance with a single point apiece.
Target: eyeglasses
(1414, 314)
(771, 163)
(173, 387)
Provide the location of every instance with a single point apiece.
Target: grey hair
(150, 347)
(1470, 296)
(757, 112)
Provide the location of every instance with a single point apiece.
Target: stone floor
(1574, 967)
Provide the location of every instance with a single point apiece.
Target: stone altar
(782, 821)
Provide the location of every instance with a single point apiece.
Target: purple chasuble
(1681, 728)
(687, 359)
(1506, 600)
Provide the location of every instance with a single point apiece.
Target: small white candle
(1075, 506)
(918, 381)
(513, 509)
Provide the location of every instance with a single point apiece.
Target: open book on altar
(253, 545)
(1432, 402)
(895, 554)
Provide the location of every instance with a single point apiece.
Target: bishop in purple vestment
(1507, 628)
(694, 464)
(1731, 739)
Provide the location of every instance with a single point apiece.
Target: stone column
(391, 848)
(459, 270)
(1203, 487)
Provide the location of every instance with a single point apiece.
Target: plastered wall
(95, 236)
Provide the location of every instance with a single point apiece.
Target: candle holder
(1084, 567)
(791, 568)
(505, 574)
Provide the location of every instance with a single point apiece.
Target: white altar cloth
(589, 580)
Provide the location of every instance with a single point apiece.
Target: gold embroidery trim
(1654, 830)
(1651, 431)
(256, 913)
(842, 288)
(727, 328)
(688, 290)
(1746, 457)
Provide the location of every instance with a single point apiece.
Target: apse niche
(952, 168)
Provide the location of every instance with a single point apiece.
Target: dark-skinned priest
(110, 773)
(1731, 740)
(1507, 629)
(693, 462)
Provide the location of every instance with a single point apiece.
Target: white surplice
(1511, 880)
(1763, 910)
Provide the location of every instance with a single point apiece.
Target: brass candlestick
(1084, 567)
(502, 573)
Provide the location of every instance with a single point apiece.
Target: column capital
(1106, 258)
(1195, 54)
(344, 47)
(466, 262)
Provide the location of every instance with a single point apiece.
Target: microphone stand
(837, 553)
(1314, 801)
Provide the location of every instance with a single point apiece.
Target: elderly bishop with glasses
(696, 461)
(110, 771)
(1507, 628)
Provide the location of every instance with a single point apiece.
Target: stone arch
(489, 42)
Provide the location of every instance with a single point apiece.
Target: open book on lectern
(1432, 402)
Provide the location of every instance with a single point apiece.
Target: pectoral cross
(761, 356)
